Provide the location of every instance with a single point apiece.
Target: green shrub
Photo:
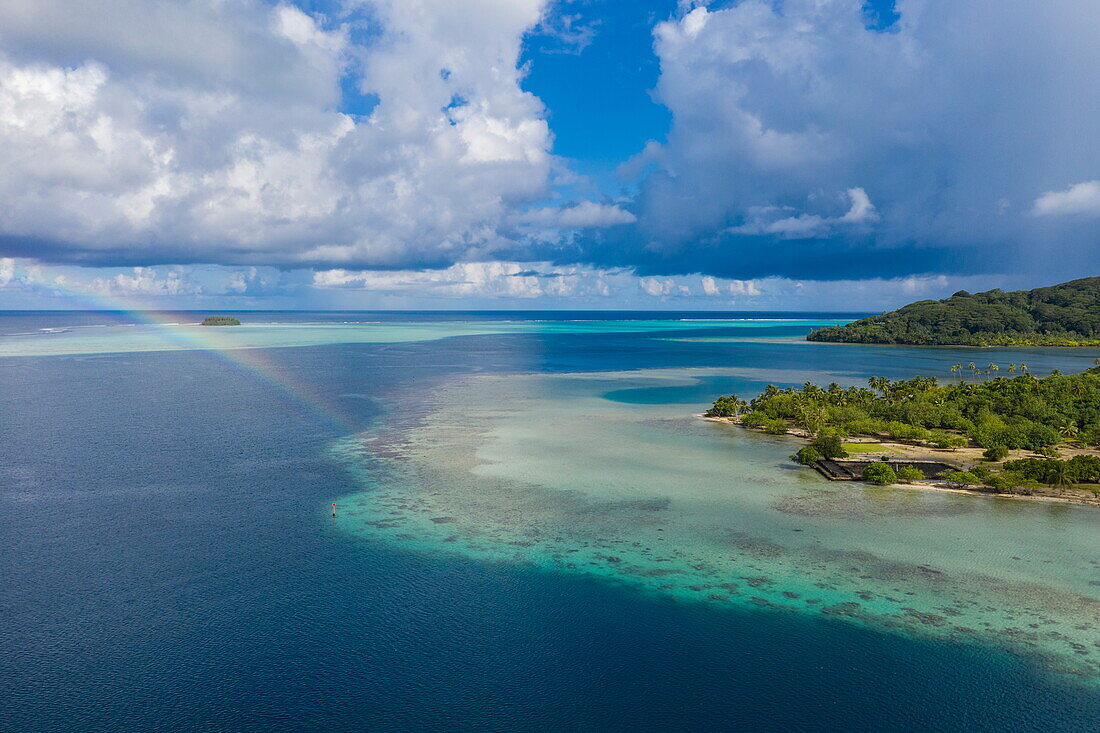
(806, 455)
(995, 453)
(830, 446)
(943, 439)
(1090, 435)
(1085, 468)
(1009, 482)
(909, 474)
(1032, 468)
(843, 414)
(754, 419)
(1040, 436)
(775, 427)
(1056, 472)
(1013, 437)
(902, 431)
(880, 473)
(965, 478)
(987, 430)
(865, 426)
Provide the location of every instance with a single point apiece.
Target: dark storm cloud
(806, 145)
(742, 257)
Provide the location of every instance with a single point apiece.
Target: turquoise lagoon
(164, 334)
(611, 475)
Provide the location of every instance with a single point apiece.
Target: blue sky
(592, 65)
(760, 154)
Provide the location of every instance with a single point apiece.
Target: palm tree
(1011, 368)
(1023, 367)
(1069, 431)
(882, 384)
(993, 367)
(1059, 476)
(813, 419)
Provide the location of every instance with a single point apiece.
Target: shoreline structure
(903, 451)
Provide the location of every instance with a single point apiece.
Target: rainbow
(250, 362)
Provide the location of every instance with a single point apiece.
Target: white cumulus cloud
(146, 281)
(209, 131)
(7, 270)
(862, 210)
(1082, 198)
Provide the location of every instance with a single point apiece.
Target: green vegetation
(1056, 472)
(726, 406)
(829, 445)
(909, 474)
(943, 439)
(220, 321)
(999, 415)
(806, 455)
(1061, 315)
(775, 426)
(1010, 482)
(880, 473)
(862, 447)
(962, 478)
(1003, 412)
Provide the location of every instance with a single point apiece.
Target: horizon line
(413, 310)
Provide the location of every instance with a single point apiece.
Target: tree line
(1060, 315)
(999, 415)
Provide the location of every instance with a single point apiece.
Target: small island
(1060, 315)
(220, 321)
(1023, 435)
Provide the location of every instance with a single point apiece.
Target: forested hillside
(1060, 315)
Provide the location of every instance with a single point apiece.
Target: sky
(465, 154)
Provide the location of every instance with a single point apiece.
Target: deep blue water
(168, 564)
(20, 321)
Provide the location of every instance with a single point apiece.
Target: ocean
(532, 532)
